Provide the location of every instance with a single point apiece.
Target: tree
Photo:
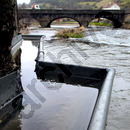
(8, 29)
(23, 6)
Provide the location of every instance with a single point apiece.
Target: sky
(23, 1)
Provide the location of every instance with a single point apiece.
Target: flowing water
(101, 47)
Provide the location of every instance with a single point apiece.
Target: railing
(10, 95)
(15, 44)
(15, 40)
(9, 87)
(40, 55)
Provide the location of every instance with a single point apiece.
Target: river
(101, 47)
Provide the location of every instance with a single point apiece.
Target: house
(111, 6)
(36, 6)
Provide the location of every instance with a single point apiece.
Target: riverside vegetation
(100, 24)
(78, 4)
(71, 33)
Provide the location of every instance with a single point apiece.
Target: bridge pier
(117, 23)
(84, 23)
(44, 24)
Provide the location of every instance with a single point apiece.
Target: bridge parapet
(53, 11)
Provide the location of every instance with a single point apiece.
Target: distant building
(36, 6)
(111, 6)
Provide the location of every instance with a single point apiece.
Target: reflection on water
(49, 105)
(64, 26)
(55, 110)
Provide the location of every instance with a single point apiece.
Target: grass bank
(67, 22)
(100, 24)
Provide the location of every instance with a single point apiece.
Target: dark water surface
(49, 105)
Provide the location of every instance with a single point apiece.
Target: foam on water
(117, 37)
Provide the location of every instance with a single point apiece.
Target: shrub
(71, 33)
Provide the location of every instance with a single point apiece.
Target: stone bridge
(83, 17)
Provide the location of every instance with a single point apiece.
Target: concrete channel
(99, 79)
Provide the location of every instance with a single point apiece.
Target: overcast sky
(23, 1)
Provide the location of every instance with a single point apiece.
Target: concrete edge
(99, 118)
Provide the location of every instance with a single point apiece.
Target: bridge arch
(50, 22)
(110, 16)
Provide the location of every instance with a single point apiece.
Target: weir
(100, 79)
